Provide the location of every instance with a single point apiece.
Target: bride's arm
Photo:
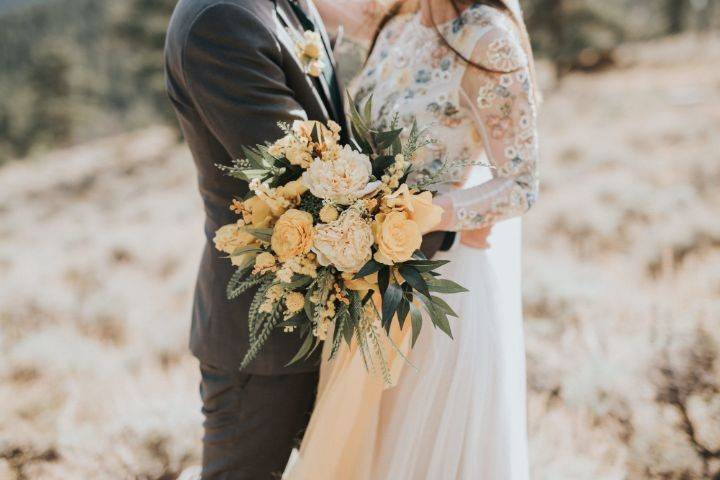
(505, 113)
(358, 18)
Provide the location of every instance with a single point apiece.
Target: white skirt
(460, 415)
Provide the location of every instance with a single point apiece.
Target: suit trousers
(252, 422)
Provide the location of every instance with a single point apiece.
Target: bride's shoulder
(495, 38)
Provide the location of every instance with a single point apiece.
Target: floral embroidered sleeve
(359, 19)
(504, 111)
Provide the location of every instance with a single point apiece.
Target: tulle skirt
(459, 413)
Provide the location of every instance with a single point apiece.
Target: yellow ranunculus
(294, 301)
(397, 237)
(328, 214)
(229, 238)
(256, 212)
(293, 234)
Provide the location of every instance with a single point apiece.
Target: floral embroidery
(504, 56)
(427, 86)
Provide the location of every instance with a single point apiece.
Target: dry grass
(99, 246)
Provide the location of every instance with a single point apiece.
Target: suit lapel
(287, 30)
(309, 7)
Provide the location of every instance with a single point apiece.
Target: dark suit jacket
(232, 75)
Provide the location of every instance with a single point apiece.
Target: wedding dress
(456, 409)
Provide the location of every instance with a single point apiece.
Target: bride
(456, 409)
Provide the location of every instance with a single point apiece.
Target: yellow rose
(397, 237)
(424, 212)
(256, 212)
(419, 207)
(293, 234)
(294, 301)
(229, 238)
(328, 214)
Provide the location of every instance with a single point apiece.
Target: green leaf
(384, 140)
(247, 249)
(390, 302)
(426, 265)
(367, 111)
(442, 285)
(383, 278)
(437, 316)
(380, 164)
(419, 255)
(416, 318)
(303, 351)
(413, 277)
(368, 269)
(402, 311)
(443, 306)
(298, 281)
(264, 234)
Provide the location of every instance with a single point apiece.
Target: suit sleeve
(233, 72)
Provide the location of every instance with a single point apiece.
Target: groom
(232, 75)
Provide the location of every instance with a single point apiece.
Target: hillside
(99, 245)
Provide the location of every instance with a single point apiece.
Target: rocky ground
(99, 246)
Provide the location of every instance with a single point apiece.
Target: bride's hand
(476, 238)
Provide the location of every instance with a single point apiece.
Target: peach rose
(419, 207)
(397, 237)
(293, 234)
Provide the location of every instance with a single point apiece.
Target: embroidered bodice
(474, 116)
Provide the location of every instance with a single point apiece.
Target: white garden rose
(342, 180)
(345, 243)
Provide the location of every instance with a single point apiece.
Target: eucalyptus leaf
(413, 277)
(443, 306)
(383, 279)
(264, 234)
(416, 319)
(368, 269)
(304, 349)
(390, 303)
(443, 285)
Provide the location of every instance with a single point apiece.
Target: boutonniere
(309, 48)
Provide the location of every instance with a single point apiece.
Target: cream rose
(293, 234)
(397, 237)
(342, 180)
(419, 207)
(345, 243)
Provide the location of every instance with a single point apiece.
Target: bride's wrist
(444, 202)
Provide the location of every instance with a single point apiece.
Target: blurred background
(101, 230)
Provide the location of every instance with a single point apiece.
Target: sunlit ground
(99, 246)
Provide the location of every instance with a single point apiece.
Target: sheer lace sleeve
(358, 18)
(503, 108)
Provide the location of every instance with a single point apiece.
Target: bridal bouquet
(330, 236)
